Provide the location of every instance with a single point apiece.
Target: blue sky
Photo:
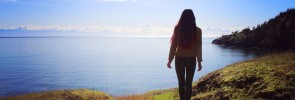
(149, 16)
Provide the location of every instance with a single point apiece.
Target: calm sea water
(116, 65)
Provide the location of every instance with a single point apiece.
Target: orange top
(194, 51)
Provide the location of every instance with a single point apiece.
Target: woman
(186, 46)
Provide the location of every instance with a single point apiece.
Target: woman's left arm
(199, 48)
(199, 45)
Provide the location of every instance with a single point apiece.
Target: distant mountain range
(277, 33)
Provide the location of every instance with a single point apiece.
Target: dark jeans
(185, 65)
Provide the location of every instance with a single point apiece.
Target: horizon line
(83, 36)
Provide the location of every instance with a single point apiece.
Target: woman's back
(194, 50)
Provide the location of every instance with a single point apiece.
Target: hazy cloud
(115, 29)
(217, 32)
(149, 29)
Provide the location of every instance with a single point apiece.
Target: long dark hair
(185, 29)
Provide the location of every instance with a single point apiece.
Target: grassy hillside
(277, 34)
(86, 94)
(268, 77)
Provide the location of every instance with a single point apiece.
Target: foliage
(278, 33)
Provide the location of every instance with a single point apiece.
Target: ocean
(116, 65)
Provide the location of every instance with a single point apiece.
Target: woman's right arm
(173, 47)
(172, 50)
(171, 53)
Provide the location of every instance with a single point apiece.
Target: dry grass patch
(79, 94)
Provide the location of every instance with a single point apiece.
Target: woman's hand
(200, 66)
(169, 64)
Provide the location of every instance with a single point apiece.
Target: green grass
(164, 94)
(134, 97)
